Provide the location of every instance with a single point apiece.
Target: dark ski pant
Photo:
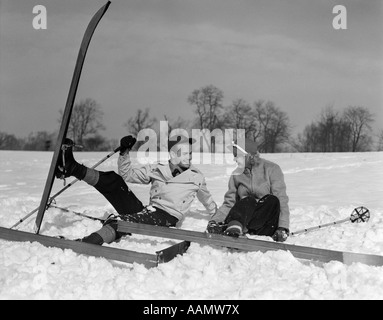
(259, 217)
(128, 206)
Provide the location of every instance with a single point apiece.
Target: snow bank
(322, 188)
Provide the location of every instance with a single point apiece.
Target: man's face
(181, 154)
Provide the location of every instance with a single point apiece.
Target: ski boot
(234, 229)
(66, 164)
(215, 227)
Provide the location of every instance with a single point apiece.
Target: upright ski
(67, 112)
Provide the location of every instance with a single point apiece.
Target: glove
(281, 234)
(216, 227)
(126, 143)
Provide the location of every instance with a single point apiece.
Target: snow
(322, 188)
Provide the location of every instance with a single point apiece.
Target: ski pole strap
(64, 148)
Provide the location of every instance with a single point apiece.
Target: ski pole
(66, 187)
(77, 213)
(359, 214)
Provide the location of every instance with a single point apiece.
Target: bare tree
(142, 120)
(327, 129)
(329, 134)
(86, 119)
(336, 133)
(239, 115)
(307, 140)
(380, 141)
(359, 120)
(9, 142)
(274, 125)
(176, 124)
(208, 103)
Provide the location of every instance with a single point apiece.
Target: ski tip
(106, 6)
(368, 259)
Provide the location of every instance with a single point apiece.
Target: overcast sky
(154, 53)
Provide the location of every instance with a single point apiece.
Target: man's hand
(126, 143)
(281, 234)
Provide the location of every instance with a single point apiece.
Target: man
(256, 201)
(174, 185)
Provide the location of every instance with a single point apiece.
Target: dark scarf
(175, 169)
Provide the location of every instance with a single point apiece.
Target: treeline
(266, 123)
(84, 128)
(45, 141)
(345, 131)
(349, 130)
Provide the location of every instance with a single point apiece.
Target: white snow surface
(322, 188)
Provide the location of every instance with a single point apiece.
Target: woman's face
(240, 160)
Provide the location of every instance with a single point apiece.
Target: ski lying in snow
(123, 255)
(67, 112)
(246, 244)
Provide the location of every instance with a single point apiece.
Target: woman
(256, 201)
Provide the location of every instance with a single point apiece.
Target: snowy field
(322, 188)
